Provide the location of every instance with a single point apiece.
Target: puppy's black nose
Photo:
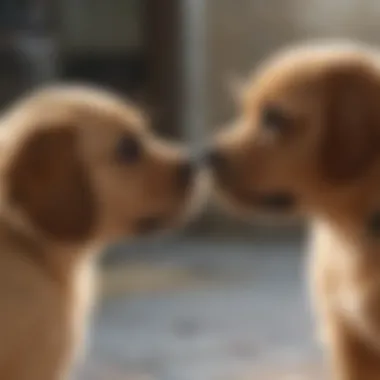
(216, 160)
(185, 173)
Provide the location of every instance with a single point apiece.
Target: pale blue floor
(257, 317)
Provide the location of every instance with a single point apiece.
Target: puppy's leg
(351, 356)
(349, 338)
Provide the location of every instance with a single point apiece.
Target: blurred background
(221, 299)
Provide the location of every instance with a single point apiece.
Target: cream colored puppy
(307, 140)
(79, 169)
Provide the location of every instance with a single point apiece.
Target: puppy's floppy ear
(352, 115)
(48, 182)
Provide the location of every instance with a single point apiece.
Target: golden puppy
(78, 169)
(307, 140)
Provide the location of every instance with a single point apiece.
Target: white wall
(242, 32)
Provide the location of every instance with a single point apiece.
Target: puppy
(79, 169)
(307, 141)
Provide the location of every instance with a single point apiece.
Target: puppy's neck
(352, 214)
(57, 261)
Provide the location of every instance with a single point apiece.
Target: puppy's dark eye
(128, 150)
(274, 118)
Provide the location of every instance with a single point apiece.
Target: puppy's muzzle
(226, 176)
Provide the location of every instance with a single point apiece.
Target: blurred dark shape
(123, 71)
(14, 15)
(38, 43)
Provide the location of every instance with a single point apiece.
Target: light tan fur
(327, 155)
(65, 193)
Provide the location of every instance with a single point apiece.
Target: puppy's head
(308, 123)
(80, 164)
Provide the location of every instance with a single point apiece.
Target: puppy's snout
(185, 173)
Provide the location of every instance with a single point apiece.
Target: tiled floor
(196, 310)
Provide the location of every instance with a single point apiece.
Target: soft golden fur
(309, 127)
(68, 187)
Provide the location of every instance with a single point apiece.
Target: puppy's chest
(342, 276)
(347, 287)
(81, 299)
